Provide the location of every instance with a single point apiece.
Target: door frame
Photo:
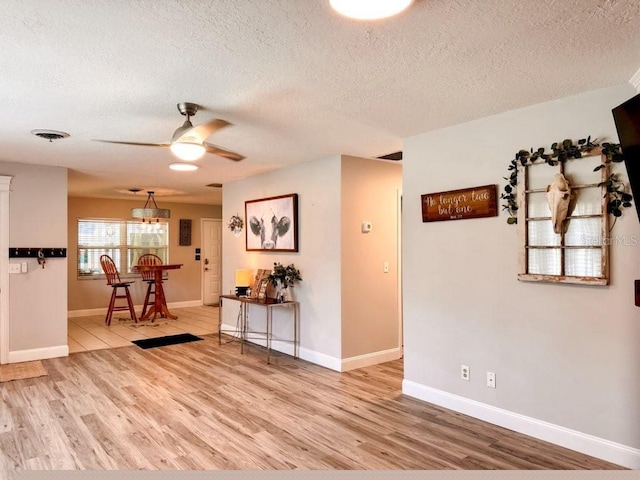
(202, 282)
(399, 280)
(5, 190)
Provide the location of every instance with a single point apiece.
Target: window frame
(125, 248)
(523, 228)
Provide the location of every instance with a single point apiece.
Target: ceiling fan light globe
(369, 9)
(187, 151)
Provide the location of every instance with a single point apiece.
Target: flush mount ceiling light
(183, 167)
(369, 9)
(150, 210)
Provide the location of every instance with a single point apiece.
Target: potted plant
(282, 278)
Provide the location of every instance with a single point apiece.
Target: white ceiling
(298, 81)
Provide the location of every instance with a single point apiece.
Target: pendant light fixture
(150, 210)
(369, 9)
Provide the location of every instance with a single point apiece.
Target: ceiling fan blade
(203, 131)
(222, 153)
(166, 144)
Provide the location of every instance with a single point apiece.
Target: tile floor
(91, 333)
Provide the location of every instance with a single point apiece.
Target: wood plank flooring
(201, 406)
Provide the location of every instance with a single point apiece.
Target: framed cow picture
(273, 223)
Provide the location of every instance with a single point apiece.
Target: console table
(269, 305)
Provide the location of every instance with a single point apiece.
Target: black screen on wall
(627, 120)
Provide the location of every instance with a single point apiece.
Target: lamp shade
(150, 210)
(243, 278)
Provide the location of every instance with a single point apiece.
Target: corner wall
(567, 357)
(348, 306)
(318, 259)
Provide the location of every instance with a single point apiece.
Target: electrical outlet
(465, 373)
(491, 380)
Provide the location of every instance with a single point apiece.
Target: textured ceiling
(297, 81)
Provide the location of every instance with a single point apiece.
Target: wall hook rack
(37, 252)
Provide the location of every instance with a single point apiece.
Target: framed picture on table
(260, 284)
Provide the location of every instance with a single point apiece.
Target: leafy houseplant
(284, 277)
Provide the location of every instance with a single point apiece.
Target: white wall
(565, 355)
(38, 299)
(318, 259)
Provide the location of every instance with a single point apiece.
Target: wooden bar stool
(113, 279)
(149, 277)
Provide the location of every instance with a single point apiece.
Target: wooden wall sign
(474, 202)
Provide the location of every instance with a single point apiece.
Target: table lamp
(243, 281)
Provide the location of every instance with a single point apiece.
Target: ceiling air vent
(397, 156)
(50, 135)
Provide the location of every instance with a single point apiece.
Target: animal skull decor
(558, 197)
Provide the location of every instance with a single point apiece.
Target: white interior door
(211, 261)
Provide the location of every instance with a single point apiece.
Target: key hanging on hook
(41, 259)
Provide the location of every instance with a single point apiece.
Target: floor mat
(168, 340)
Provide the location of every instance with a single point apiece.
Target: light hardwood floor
(204, 406)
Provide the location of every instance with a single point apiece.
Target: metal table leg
(219, 322)
(269, 326)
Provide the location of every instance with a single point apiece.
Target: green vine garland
(618, 198)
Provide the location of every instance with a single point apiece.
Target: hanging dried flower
(236, 223)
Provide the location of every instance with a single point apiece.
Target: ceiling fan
(188, 142)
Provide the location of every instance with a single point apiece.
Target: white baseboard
(187, 303)
(38, 354)
(588, 444)
(369, 359)
(103, 310)
(326, 361)
(86, 312)
(287, 347)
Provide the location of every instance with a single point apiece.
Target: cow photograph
(272, 223)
